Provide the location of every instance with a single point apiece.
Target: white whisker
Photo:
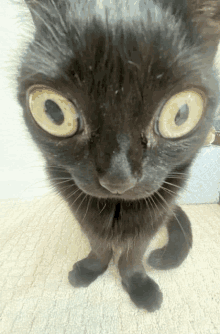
(77, 198)
(81, 203)
(152, 222)
(172, 184)
(168, 191)
(73, 193)
(66, 187)
(90, 198)
(155, 204)
(174, 216)
(182, 175)
(102, 208)
(61, 182)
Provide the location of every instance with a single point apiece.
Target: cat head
(118, 97)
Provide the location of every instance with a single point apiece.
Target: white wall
(204, 182)
(21, 171)
(17, 152)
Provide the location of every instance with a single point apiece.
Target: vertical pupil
(182, 115)
(54, 112)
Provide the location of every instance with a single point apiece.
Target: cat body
(120, 65)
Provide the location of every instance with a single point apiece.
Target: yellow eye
(52, 112)
(181, 114)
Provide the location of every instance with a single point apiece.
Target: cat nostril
(117, 188)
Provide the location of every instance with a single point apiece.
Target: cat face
(121, 107)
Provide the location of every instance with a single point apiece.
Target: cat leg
(179, 243)
(143, 291)
(87, 270)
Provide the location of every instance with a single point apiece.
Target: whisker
(56, 167)
(102, 208)
(77, 198)
(174, 172)
(51, 213)
(81, 202)
(41, 167)
(176, 177)
(172, 184)
(32, 185)
(90, 198)
(65, 188)
(182, 175)
(61, 182)
(180, 188)
(155, 204)
(73, 193)
(174, 216)
(64, 179)
(152, 223)
(110, 220)
(169, 191)
(151, 199)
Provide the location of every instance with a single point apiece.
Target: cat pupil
(182, 115)
(54, 112)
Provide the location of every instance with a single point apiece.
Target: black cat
(119, 98)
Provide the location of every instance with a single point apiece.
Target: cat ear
(43, 11)
(177, 7)
(36, 10)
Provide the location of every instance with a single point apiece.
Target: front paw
(144, 292)
(85, 272)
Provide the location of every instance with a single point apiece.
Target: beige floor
(40, 241)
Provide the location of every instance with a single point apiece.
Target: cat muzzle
(117, 187)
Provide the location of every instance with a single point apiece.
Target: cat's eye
(181, 114)
(52, 112)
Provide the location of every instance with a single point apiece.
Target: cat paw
(144, 292)
(85, 272)
(162, 260)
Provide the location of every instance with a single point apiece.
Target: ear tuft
(48, 13)
(38, 9)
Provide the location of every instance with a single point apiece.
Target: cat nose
(117, 186)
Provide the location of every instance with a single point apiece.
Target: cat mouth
(141, 190)
(132, 194)
(95, 189)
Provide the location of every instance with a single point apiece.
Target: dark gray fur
(119, 64)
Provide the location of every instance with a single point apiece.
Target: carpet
(40, 241)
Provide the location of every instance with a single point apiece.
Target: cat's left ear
(43, 11)
(36, 10)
